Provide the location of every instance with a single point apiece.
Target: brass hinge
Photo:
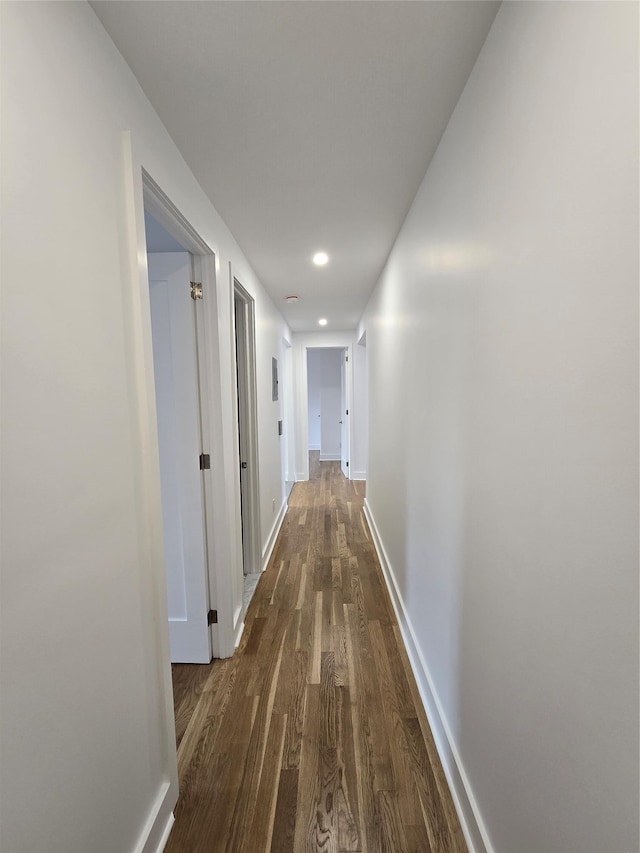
(205, 461)
(195, 288)
(212, 617)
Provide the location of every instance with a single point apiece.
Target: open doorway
(175, 300)
(327, 396)
(244, 329)
(142, 194)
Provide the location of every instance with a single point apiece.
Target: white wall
(503, 371)
(87, 726)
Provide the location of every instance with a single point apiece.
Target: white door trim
(138, 186)
(214, 501)
(141, 190)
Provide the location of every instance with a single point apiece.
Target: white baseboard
(237, 624)
(329, 457)
(473, 827)
(166, 833)
(238, 634)
(301, 477)
(271, 541)
(359, 475)
(155, 833)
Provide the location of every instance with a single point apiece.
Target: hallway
(312, 737)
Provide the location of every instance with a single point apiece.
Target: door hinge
(195, 288)
(347, 411)
(205, 461)
(212, 617)
(347, 464)
(346, 358)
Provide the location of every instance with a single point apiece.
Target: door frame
(160, 206)
(303, 402)
(246, 411)
(154, 628)
(143, 192)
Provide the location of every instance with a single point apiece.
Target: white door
(344, 414)
(175, 361)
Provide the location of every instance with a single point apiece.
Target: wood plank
(286, 810)
(308, 784)
(392, 837)
(255, 754)
(316, 647)
(444, 837)
(328, 722)
(206, 718)
(259, 838)
(407, 801)
(188, 686)
(349, 831)
(446, 801)
(296, 712)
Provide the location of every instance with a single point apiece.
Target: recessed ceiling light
(320, 259)
(322, 321)
(291, 299)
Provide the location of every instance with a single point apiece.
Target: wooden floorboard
(312, 737)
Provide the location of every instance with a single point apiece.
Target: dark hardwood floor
(312, 737)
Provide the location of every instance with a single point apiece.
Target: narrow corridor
(312, 737)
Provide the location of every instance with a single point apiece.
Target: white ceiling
(309, 124)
